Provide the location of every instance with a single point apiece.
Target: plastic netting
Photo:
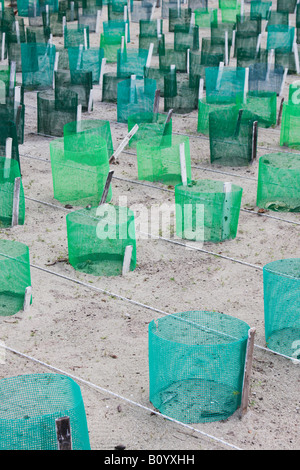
(110, 87)
(115, 9)
(9, 171)
(75, 35)
(79, 172)
(37, 65)
(135, 95)
(29, 407)
(16, 114)
(204, 17)
(142, 11)
(168, 56)
(263, 105)
(224, 85)
(207, 210)
(282, 306)
(89, 18)
(196, 365)
(261, 8)
(204, 109)
(54, 110)
(98, 237)
(286, 60)
(286, 5)
(280, 36)
(231, 137)
(114, 28)
(248, 56)
(290, 130)
(9, 138)
(151, 31)
(277, 18)
(77, 81)
(163, 162)
(37, 34)
(278, 182)
(179, 17)
(131, 62)
(86, 60)
(186, 37)
(263, 77)
(179, 95)
(110, 45)
(86, 128)
(152, 127)
(14, 279)
(228, 15)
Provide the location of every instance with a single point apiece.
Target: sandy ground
(101, 339)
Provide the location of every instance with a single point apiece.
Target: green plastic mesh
(78, 81)
(8, 130)
(168, 56)
(16, 114)
(98, 237)
(157, 41)
(277, 18)
(29, 407)
(9, 171)
(286, 5)
(131, 62)
(162, 162)
(152, 127)
(204, 17)
(247, 57)
(167, 4)
(37, 65)
(228, 15)
(54, 110)
(206, 211)
(79, 173)
(278, 182)
(14, 279)
(116, 28)
(110, 87)
(261, 8)
(37, 34)
(88, 128)
(53, 24)
(204, 109)
(280, 36)
(263, 78)
(69, 9)
(142, 10)
(86, 60)
(179, 17)
(115, 9)
(245, 41)
(186, 37)
(157, 74)
(89, 18)
(289, 131)
(249, 23)
(75, 35)
(178, 94)
(135, 96)
(151, 31)
(263, 105)
(231, 137)
(196, 365)
(110, 45)
(286, 60)
(224, 85)
(282, 306)
(24, 7)
(217, 33)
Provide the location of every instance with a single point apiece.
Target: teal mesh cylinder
(134, 96)
(196, 365)
(14, 277)
(54, 110)
(180, 16)
(131, 62)
(87, 60)
(86, 130)
(224, 85)
(9, 171)
(75, 35)
(152, 126)
(98, 237)
(110, 45)
(31, 403)
(204, 109)
(281, 281)
(37, 65)
(207, 211)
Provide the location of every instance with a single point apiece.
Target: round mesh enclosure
(231, 137)
(204, 17)
(78, 81)
(168, 163)
(228, 15)
(115, 9)
(152, 127)
(8, 133)
(131, 62)
(168, 56)
(37, 65)
(135, 95)
(30, 405)
(207, 210)
(290, 124)
(75, 35)
(186, 37)
(37, 34)
(281, 36)
(204, 109)
(224, 85)
(86, 130)
(278, 186)
(142, 11)
(246, 57)
(196, 365)
(98, 237)
(14, 277)
(157, 74)
(286, 5)
(277, 18)
(282, 306)
(54, 110)
(110, 45)
(9, 171)
(110, 87)
(89, 18)
(116, 29)
(86, 60)
(258, 7)
(265, 78)
(286, 60)
(79, 173)
(179, 95)
(263, 105)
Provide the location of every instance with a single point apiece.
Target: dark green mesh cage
(181, 16)
(110, 87)
(86, 129)
(86, 60)
(75, 35)
(55, 109)
(218, 30)
(249, 56)
(204, 109)
(152, 127)
(278, 187)
(90, 19)
(53, 24)
(207, 211)
(131, 62)
(98, 237)
(261, 8)
(30, 405)
(286, 5)
(277, 18)
(79, 173)
(37, 34)
(179, 95)
(263, 105)
(168, 56)
(157, 74)
(135, 95)
(9, 172)
(163, 163)
(115, 9)
(186, 37)
(196, 365)
(16, 114)
(14, 277)
(231, 137)
(8, 134)
(281, 281)
(151, 31)
(290, 131)
(286, 60)
(37, 65)
(77, 81)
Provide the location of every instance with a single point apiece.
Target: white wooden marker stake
(78, 66)
(192, 22)
(226, 210)
(78, 120)
(16, 202)
(132, 89)
(17, 31)
(126, 33)
(283, 81)
(233, 42)
(127, 259)
(220, 73)
(103, 63)
(152, 11)
(201, 87)
(27, 298)
(158, 22)
(97, 30)
(123, 144)
(122, 43)
(34, 8)
(3, 47)
(226, 47)
(17, 99)
(125, 13)
(64, 22)
(47, 16)
(246, 84)
(149, 58)
(247, 372)
(8, 153)
(12, 77)
(242, 9)
(183, 163)
(55, 68)
(258, 44)
(188, 61)
(85, 39)
(72, 16)
(270, 60)
(90, 103)
(296, 55)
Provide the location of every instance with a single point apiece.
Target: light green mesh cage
(204, 109)
(37, 65)
(8, 133)
(86, 60)
(278, 187)
(79, 173)
(77, 81)
(98, 237)
(207, 211)
(163, 163)
(87, 128)
(9, 171)
(30, 405)
(290, 125)
(14, 278)
(281, 280)
(263, 105)
(228, 15)
(152, 127)
(196, 365)
(54, 110)
(117, 28)
(131, 62)
(204, 17)
(110, 45)
(135, 96)
(231, 137)
(179, 95)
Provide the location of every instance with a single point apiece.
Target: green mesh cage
(53, 24)
(54, 110)
(261, 8)
(231, 137)
(281, 282)
(263, 78)
(224, 85)
(117, 28)
(24, 6)
(110, 87)
(286, 60)
(181, 16)
(204, 110)
(9, 171)
(250, 56)
(135, 96)
(115, 9)
(75, 35)
(245, 41)
(131, 62)
(290, 130)
(78, 81)
(280, 36)
(62, 58)
(98, 237)
(157, 74)
(278, 186)
(69, 9)
(167, 4)
(16, 114)
(14, 277)
(249, 23)
(286, 5)
(37, 65)
(163, 163)
(8, 133)
(88, 128)
(110, 45)
(196, 365)
(29, 407)
(277, 18)
(168, 56)
(228, 15)
(186, 37)
(142, 10)
(157, 41)
(263, 105)
(204, 17)
(151, 31)
(207, 211)
(90, 19)
(218, 30)
(86, 60)
(179, 95)
(152, 127)
(37, 34)
(79, 173)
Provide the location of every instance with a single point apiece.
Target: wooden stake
(3, 47)
(85, 39)
(227, 189)
(12, 77)
(55, 67)
(283, 81)
(226, 47)
(63, 433)
(16, 202)
(254, 140)
(183, 163)
(280, 112)
(150, 53)
(132, 89)
(106, 187)
(127, 259)
(247, 372)
(17, 32)
(103, 63)
(220, 73)
(201, 88)
(123, 144)
(78, 123)
(188, 61)
(79, 59)
(90, 103)
(246, 84)
(72, 11)
(27, 298)
(97, 30)
(156, 102)
(296, 56)
(8, 153)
